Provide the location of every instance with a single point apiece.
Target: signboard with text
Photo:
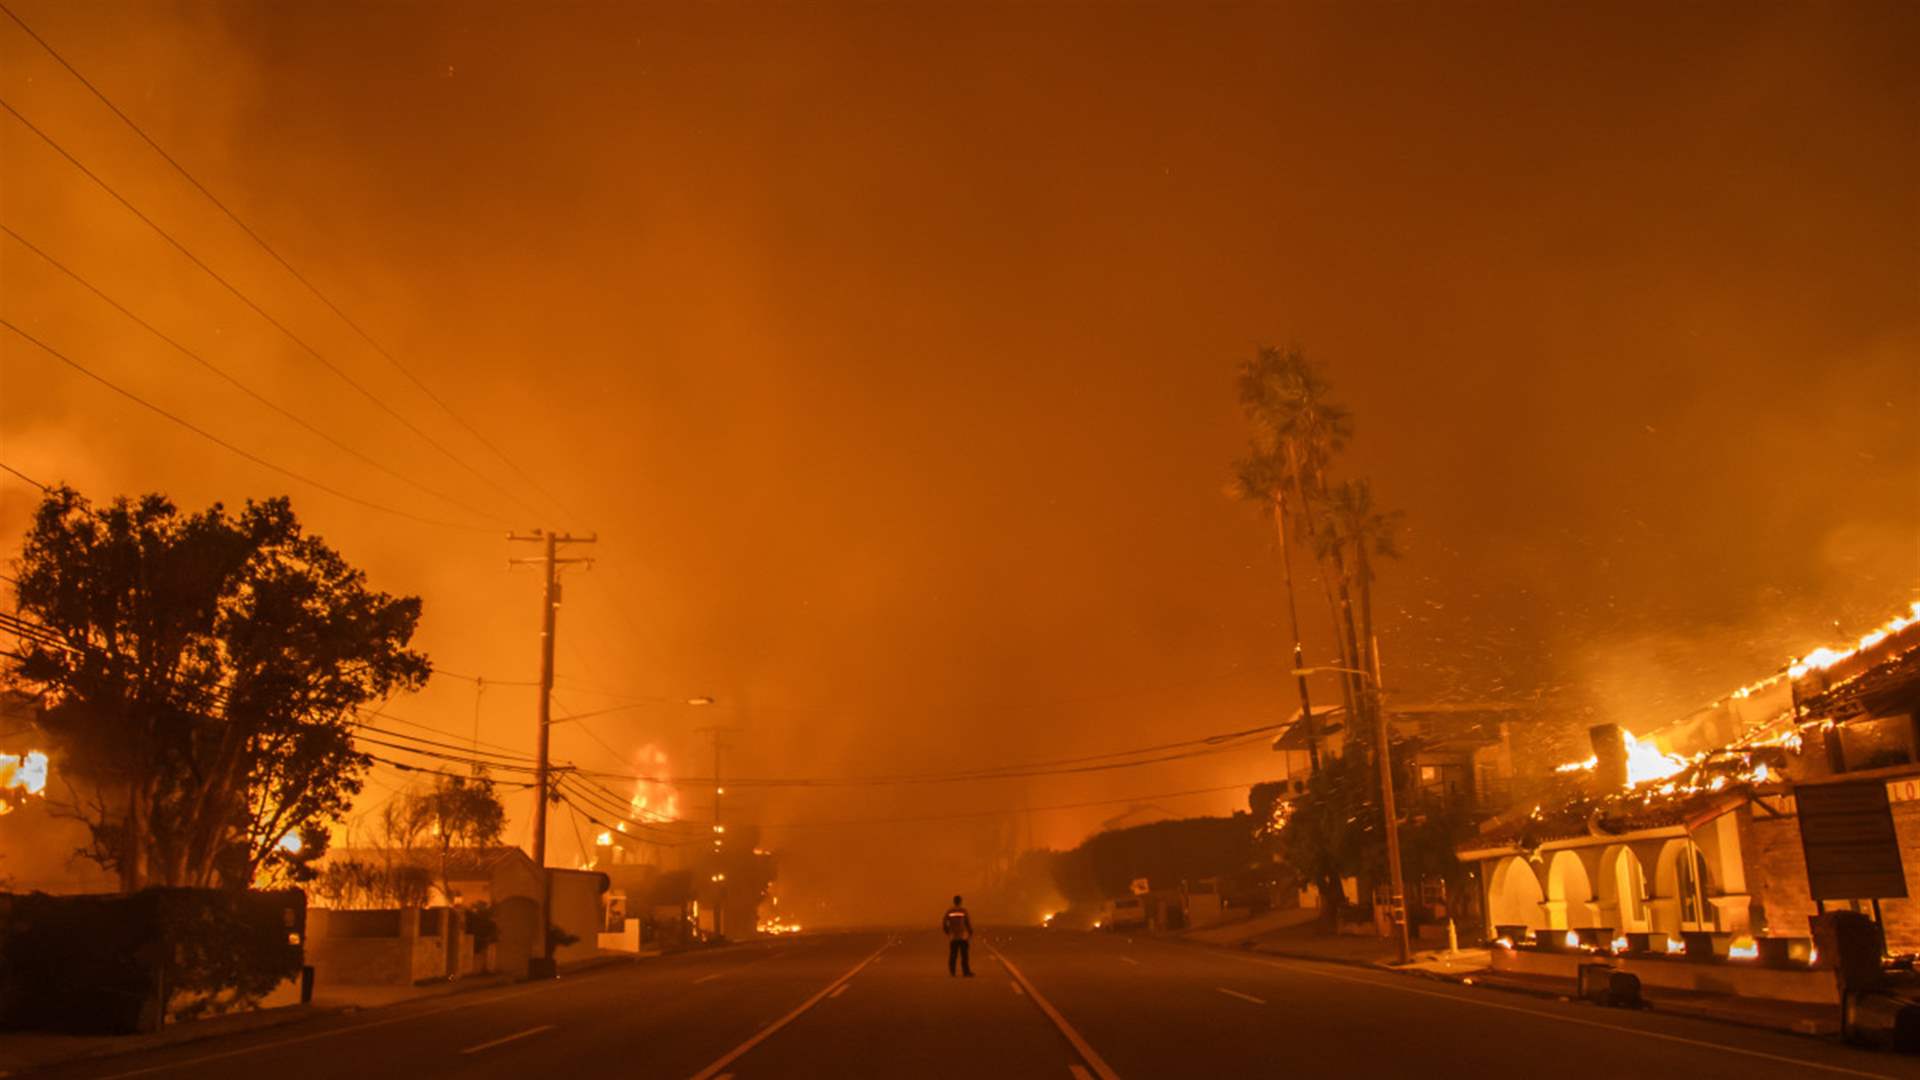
(1847, 834)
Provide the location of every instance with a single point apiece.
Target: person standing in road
(959, 928)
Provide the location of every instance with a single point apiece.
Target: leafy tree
(457, 813)
(1324, 834)
(200, 673)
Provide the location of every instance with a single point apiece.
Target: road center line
(759, 1037)
(1079, 1072)
(509, 1038)
(1241, 996)
(1017, 990)
(1468, 999)
(1131, 960)
(708, 978)
(1080, 1046)
(838, 990)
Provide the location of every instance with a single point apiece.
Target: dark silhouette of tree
(200, 675)
(457, 813)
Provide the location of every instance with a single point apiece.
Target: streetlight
(719, 827)
(1398, 885)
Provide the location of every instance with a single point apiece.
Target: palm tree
(1261, 479)
(1363, 531)
(1300, 429)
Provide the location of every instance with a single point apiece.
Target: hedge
(108, 964)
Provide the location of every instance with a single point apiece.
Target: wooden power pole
(541, 964)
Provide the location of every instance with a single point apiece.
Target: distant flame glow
(654, 798)
(20, 776)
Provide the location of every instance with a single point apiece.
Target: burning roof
(1879, 675)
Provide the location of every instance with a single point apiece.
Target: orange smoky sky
(889, 351)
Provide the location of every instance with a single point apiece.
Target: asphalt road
(1063, 1006)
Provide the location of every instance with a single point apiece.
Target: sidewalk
(1796, 1017)
(23, 1050)
(1472, 967)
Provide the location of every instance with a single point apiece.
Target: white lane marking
(1017, 990)
(1087, 1053)
(728, 1058)
(1131, 960)
(838, 990)
(509, 1038)
(708, 978)
(1079, 1072)
(420, 1015)
(1241, 996)
(1468, 999)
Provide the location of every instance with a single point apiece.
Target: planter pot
(1706, 946)
(1600, 937)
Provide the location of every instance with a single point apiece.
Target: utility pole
(1383, 742)
(719, 830)
(541, 964)
(1382, 732)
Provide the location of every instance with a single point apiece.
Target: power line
(24, 476)
(1238, 741)
(1010, 810)
(284, 264)
(618, 799)
(615, 831)
(236, 383)
(337, 371)
(224, 444)
(623, 813)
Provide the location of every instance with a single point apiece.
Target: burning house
(1691, 838)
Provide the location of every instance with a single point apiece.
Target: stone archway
(1514, 896)
(1622, 890)
(1569, 902)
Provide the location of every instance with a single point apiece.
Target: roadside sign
(1847, 834)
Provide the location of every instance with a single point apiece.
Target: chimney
(1610, 756)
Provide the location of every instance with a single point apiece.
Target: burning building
(1695, 828)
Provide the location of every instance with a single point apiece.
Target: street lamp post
(1398, 904)
(719, 877)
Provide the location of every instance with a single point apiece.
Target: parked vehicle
(1125, 913)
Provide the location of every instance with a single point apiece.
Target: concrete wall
(577, 910)
(372, 948)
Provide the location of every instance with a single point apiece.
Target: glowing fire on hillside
(21, 775)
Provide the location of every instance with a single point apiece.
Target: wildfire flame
(1824, 657)
(1645, 761)
(655, 799)
(20, 776)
